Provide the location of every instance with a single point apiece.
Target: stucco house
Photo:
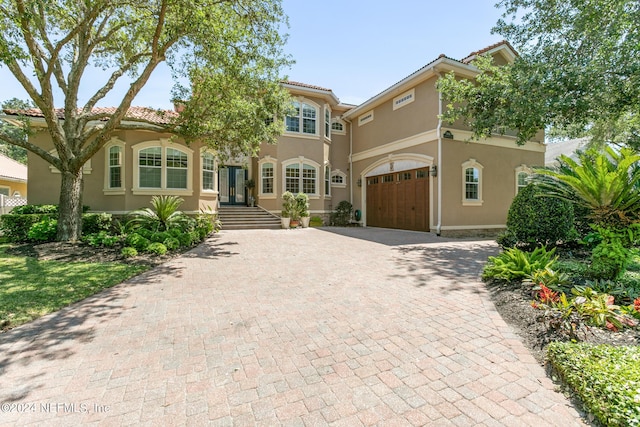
(391, 157)
(13, 177)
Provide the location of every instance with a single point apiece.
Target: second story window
(302, 119)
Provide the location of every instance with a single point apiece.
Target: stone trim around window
(365, 118)
(338, 179)
(267, 160)
(164, 144)
(472, 183)
(306, 121)
(208, 159)
(301, 162)
(404, 99)
(108, 190)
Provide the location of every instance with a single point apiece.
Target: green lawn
(30, 288)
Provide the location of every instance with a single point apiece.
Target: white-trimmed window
(162, 167)
(208, 172)
(327, 181)
(267, 174)
(301, 176)
(327, 122)
(365, 118)
(267, 182)
(338, 179)
(471, 183)
(303, 118)
(404, 99)
(338, 127)
(523, 173)
(114, 166)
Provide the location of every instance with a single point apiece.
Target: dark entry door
(231, 181)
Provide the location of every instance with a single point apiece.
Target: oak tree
(225, 57)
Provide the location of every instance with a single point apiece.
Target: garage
(399, 200)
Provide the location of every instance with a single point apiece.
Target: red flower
(610, 300)
(636, 305)
(546, 295)
(611, 327)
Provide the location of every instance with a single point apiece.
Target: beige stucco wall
(94, 195)
(498, 180)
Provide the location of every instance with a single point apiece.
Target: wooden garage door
(399, 200)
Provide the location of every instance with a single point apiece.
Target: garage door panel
(399, 200)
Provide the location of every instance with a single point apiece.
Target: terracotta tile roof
(10, 169)
(135, 113)
(304, 85)
(472, 55)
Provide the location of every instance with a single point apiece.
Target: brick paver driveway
(305, 327)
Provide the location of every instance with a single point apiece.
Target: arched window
(471, 183)
(114, 182)
(162, 167)
(303, 118)
(301, 176)
(523, 173)
(208, 172)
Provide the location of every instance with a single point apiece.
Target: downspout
(439, 135)
(350, 161)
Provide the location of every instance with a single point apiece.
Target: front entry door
(231, 179)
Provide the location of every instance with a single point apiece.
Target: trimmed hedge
(606, 378)
(536, 220)
(16, 226)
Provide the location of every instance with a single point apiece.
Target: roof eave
(440, 65)
(325, 94)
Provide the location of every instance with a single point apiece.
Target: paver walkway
(300, 328)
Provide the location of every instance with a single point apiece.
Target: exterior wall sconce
(433, 171)
(359, 182)
(448, 135)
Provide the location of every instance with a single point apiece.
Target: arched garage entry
(397, 192)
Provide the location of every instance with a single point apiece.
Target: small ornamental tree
(535, 219)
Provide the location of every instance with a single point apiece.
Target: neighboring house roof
(12, 170)
(442, 63)
(568, 148)
(146, 114)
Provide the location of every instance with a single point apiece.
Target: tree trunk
(70, 210)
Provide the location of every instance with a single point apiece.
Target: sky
(356, 48)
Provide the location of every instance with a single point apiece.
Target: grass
(30, 288)
(606, 378)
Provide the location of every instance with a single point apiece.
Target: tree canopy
(9, 150)
(225, 57)
(578, 73)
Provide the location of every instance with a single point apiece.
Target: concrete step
(247, 218)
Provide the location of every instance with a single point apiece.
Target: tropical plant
(606, 183)
(164, 215)
(516, 264)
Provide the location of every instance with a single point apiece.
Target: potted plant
(250, 184)
(288, 206)
(302, 205)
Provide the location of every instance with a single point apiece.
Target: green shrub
(44, 231)
(342, 215)
(35, 209)
(184, 239)
(137, 241)
(157, 248)
(606, 378)
(172, 243)
(316, 221)
(146, 233)
(96, 222)
(16, 227)
(159, 237)
(536, 220)
(101, 238)
(129, 252)
(516, 264)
